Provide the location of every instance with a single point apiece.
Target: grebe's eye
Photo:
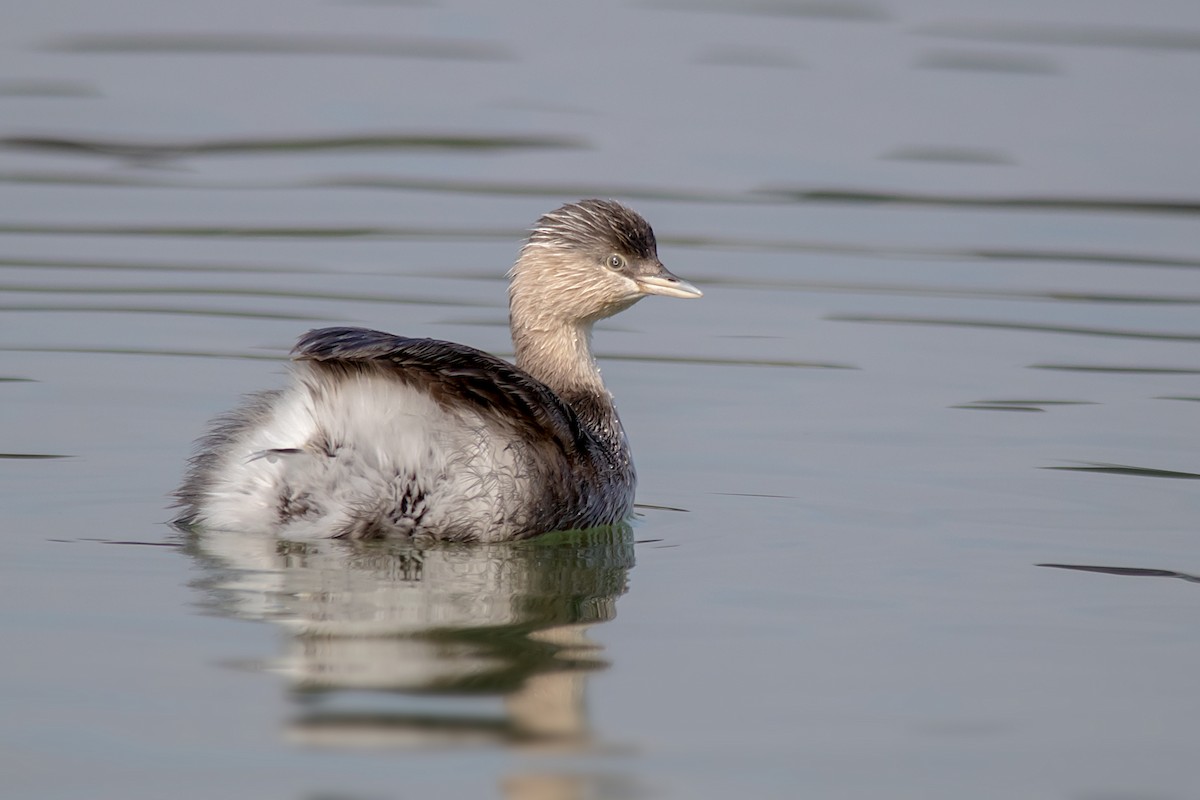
(615, 261)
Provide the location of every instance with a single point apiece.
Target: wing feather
(452, 374)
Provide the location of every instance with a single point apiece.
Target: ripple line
(1123, 469)
(32, 456)
(953, 291)
(227, 291)
(146, 266)
(143, 351)
(263, 231)
(141, 150)
(724, 362)
(390, 183)
(1118, 369)
(199, 312)
(836, 10)
(1016, 326)
(1140, 572)
(282, 44)
(1068, 34)
(1023, 202)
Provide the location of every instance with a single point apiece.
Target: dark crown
(596, 225)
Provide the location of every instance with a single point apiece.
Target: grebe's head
(586, 261)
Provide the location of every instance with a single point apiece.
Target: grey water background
(951, 257)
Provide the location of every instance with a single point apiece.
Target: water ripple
(143, 351)
(724, 362)
(1137, 572)
(1141, 38)
(149, 150)
(262, 231)
(282, 44)
(35, 87)
(1123, 469)
(32, 456)
(1019, 405)
(937, 154)
(1017, 326)
(1022, 202)
(527, 189)
(747, 56)
(390, 183)
(1118, 369)
(61, 178)
(975, 61)
(170, 310)
(840, 10)
(952, 291)
(229, 291)
(143, 266)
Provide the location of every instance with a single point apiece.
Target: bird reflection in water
(391, 644)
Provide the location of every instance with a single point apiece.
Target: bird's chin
(616, 306)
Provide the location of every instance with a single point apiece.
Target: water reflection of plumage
(504, 620)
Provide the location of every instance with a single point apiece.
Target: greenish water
(913, 474)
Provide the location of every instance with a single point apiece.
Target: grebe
(382, 435)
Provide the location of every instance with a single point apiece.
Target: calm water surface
(951, 257)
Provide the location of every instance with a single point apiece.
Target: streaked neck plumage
(559, 354)
(551, 317)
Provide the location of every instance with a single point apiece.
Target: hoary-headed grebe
(382, 435)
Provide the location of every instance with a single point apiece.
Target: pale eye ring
(615, 261)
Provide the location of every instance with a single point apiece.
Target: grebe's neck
(559, 354)
(555, 295)
(561, 357)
